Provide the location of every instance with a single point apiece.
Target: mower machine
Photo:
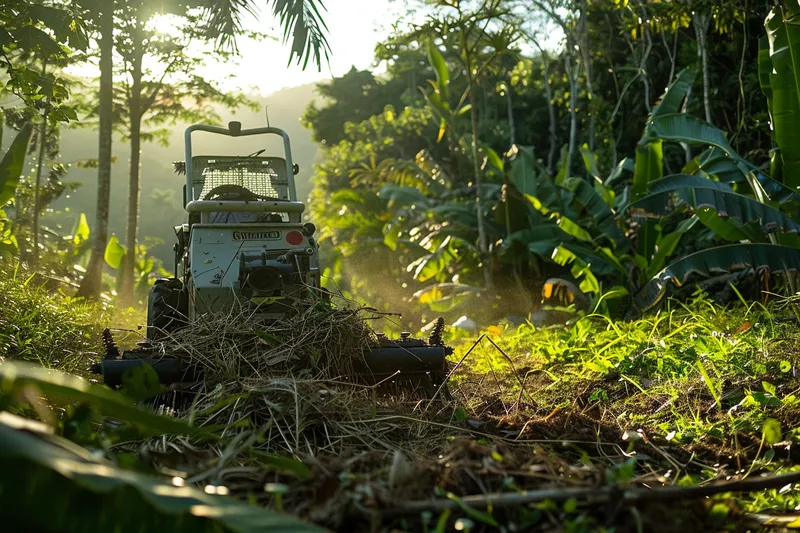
(245, 245)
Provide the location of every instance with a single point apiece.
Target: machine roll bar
(234, 129)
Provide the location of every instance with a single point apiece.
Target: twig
(786, 521)
(596, 495)
(445, 380)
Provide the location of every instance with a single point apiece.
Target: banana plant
(10, 172)
(779, 66)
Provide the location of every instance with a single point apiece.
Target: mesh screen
(264, 176)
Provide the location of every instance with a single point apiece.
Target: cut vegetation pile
(320, 342)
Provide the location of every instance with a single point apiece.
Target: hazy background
(162, 188)
(263, 73)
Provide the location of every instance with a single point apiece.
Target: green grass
(40, 322)
(694, 390)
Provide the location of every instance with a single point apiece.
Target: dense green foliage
(640, 184)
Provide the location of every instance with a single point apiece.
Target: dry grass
(316, 340)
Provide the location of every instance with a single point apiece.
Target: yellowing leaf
(772, 431)
(495, 331)
(114, 252)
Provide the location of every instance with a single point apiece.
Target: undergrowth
(689, 395)
(42, 323)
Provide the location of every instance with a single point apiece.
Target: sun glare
(164, 24)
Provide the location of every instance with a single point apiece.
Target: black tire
(166, 309)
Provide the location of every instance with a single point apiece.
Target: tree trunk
(701, 23)
(548, 91)
(92, 284)
(38, 187)
(583, 38)
(512, 134)
(573, 112)
(126, 287)
(482, 244)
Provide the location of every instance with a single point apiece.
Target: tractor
(244, 244)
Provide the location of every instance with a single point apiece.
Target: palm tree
(300, 19)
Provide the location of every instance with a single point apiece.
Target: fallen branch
(782, 521)
(594, 496)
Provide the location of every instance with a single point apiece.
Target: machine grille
(263, 176)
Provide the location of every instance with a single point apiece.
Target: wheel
(166, 308)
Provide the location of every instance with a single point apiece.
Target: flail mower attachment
(406, 364)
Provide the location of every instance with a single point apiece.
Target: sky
(354, 28)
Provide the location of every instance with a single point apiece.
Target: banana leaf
(679, 181)
(784, 54)
(715, 162)
(599, 210)
(691, 130)
(84, 494)
(716, 261)
(12, 163)
(673, 97)
(777, 191)
(400, 196)
(764, 72)
(649, 165)
(666, 244)
(528, 180)
(626, 165)
(725, 204)
(590, 162)
(579, 269)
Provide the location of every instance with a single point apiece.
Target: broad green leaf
(567, 225)
(626, 165)
(57, 385)
(13, 162)
(765, 71)
(712, 196)
(691, 130)
(530, 179)
(114, 253)
(493, 158)
(440, 68)
(673, 97)
(715, 162)
(513, 210)
(772, 431)
(666, 245)
(729, 229)
(51, 469)
(598, 210)
(81, 232)
(429, 266)
(715, 261)
(590, 162)
(649, 166)
(579, 269)
(676, 182)
(784, 54)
